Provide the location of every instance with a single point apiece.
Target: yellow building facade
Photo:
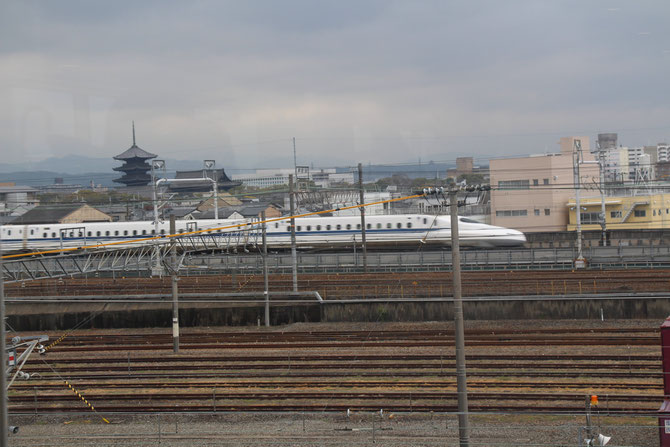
(650, 212)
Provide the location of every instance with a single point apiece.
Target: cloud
(367, 80)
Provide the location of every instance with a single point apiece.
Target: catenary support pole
(175, 288)
(294, 255)
(461, 379)
(265, 272)
(576, 160)
(603, 206)
(362, 201)
(4, 419)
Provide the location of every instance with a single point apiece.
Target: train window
(298, 228)
(9, 232)
(348, 226)
(89, 234)
(163, 231)
(425, 221)
(379, 225)
(369, 226)
(32, 231)
(409, 224)
(81, 234)
(97, 233)
(399, 225)
(338, 227)
(134, 232)
(106, 233)
(288, 228)
(125, 232)
(153, 231)
(327, 227)
(44, 235)
(358, 226)
(309, 227)
(71, 234)
(116, 232)
(144, 231)
(389, 225)
(318, 228)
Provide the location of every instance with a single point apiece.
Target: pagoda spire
(134, 133)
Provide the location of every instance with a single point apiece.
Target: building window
(536, 182)
(640, 213)
(545, 181)
(510, 213)
(590, 218)
(514, 184)
(537, 212)
(615, 214)
(547, 211)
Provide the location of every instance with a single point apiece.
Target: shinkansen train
(311, 232)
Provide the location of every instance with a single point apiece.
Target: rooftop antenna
(133, 133)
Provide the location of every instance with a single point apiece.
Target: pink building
(531, 193)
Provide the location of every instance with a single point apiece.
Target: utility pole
(266, 293)
(175, 288)
(461, 379)
(294, 254)
(362, 201)
(4, 417)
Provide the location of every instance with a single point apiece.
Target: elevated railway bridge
(248, 260)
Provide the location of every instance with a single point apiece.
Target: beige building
(530, 193)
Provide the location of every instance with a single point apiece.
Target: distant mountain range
(73, 169)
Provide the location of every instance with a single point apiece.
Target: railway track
(396, 285)
(524, 370)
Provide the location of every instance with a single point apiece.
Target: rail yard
(381, 380)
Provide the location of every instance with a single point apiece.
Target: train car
(393, 230)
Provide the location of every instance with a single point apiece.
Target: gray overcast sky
(353, 81)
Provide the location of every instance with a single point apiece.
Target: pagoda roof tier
(132, 168)
(135, 152)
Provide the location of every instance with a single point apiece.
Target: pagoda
(135, 166)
